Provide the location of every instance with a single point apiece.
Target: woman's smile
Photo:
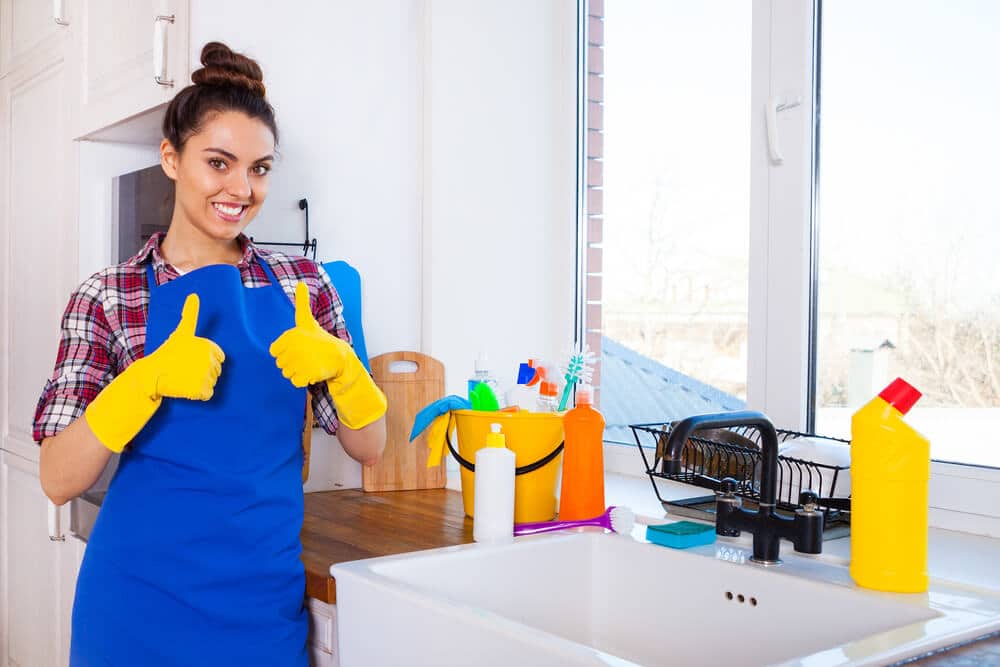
(230, 212)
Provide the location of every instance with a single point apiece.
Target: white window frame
(782, 276)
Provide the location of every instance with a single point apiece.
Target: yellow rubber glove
(307, 353)
(185, 366)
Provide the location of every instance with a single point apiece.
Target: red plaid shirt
(104, 328)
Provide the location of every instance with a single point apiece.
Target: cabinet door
(32, 591)
(118, 45)
(26, 27)
(38, 225)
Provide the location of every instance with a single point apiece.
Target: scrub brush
(616, 519)
(580, 368)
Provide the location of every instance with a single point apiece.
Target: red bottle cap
(900, 395)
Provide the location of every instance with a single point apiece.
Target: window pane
(677, 184)
(909, 222)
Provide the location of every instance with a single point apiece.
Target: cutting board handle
(427, 367)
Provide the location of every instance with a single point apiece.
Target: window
(677, 198)
(797, 261)
(908, 230)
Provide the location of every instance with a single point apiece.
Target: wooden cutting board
(404, 464)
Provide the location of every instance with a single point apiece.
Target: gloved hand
(184, 366)
(307, 354)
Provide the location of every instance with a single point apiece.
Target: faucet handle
(809, 500)
(727, 506)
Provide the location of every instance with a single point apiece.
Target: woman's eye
(261, 169)
(217, 163)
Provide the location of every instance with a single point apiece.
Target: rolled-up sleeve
(84, 365)
(328, 310)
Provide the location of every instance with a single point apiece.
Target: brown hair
(227, 81)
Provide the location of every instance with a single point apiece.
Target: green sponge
(681, 534)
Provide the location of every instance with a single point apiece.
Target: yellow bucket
(536, 438)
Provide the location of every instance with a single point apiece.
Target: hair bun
(222, 67)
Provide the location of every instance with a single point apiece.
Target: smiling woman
(194, 359)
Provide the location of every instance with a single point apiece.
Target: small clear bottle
(482, 374)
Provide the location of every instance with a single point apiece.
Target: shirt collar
(151, 252)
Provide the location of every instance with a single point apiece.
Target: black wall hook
(307, 245)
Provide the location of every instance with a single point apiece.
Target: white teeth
(228, 210)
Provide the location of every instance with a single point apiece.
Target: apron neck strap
(151, 276)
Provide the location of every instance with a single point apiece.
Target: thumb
(189, 316)
(303, 311)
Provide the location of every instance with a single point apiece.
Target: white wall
(500, 132)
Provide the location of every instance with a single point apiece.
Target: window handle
(774, 105)
(59, 12)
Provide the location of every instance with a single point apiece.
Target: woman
(192, 359)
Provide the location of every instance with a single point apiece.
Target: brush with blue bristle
(579, 368)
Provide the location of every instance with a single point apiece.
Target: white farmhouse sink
(602, 599)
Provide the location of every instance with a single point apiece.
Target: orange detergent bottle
(890, 468)
(582, 492)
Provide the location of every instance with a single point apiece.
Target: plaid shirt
(104, 328)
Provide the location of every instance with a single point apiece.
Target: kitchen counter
(348, 525)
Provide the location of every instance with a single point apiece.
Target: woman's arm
(364, 445)
(71, 462)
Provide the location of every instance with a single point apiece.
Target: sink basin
(588, 598)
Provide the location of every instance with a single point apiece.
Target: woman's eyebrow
(232, 157)
(220, 152)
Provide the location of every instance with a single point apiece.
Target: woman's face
(221, 175)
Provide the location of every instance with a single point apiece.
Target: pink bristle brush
(616, 519)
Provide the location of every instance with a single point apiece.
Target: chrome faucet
(805, 530)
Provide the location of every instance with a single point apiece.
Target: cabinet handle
(59, 12)
(160, 50)
(55, 523)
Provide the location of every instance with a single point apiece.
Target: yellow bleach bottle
(890, 468)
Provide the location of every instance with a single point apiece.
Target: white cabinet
(38, 574)
(38, 266)
(26, 27)
(38, 224)
(131, 57)
(323, 634)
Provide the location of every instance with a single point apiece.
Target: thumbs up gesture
(184, 366)
(187, 366)
(307, 354)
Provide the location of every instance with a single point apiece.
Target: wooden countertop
(347, 525)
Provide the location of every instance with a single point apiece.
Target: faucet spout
(684, 429)
(766, 525)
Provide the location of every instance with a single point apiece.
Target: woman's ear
(168, 159)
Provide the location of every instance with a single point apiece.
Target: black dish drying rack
(710, 456)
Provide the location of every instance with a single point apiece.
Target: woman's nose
(238, 185)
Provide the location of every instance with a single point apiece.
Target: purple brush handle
(604, 521)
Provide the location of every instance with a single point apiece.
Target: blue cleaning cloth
(442, 406)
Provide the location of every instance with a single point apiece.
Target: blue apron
(194, 558)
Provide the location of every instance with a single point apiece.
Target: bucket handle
(531, 467)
